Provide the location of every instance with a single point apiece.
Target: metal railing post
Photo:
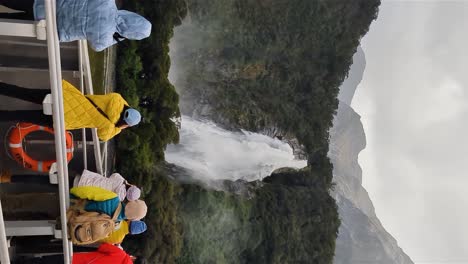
(83, 130)
(4, 255)
(59, 122)
(89, 88)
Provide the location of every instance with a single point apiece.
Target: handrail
(83, 130)
(4, 255)
(104, 158)
(83, 46)
(59, 122)
(55, 75)
(21, 28)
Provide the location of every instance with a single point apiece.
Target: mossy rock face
(254, 65)
(284, 170)
(275, 225)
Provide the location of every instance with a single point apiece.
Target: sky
(413, 101)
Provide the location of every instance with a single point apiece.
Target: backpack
(89, 227)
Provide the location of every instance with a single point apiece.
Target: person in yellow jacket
(109, 113)
(125, 228)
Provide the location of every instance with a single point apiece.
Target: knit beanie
(133, 193)
(135, 210)
(137, 227)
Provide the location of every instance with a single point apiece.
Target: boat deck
(24, 61)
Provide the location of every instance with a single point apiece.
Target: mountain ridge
(361, 238)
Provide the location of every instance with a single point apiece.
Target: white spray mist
(213, 153)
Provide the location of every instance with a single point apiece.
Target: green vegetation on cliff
(142, 70)
(273, 63)
(285, 221)
(259, 63)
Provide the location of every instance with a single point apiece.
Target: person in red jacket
(105, 254)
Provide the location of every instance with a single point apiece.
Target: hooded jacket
(95, 21)
(79, 112)
(117, 236)
(114, 183)
(105, 254)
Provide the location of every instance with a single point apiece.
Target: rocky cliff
(362, 238)
(348, 87)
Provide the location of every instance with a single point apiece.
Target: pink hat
(133, 193)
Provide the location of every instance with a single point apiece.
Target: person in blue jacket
(98, 21)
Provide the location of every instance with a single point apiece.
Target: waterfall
(213, 153)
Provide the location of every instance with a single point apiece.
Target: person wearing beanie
(133, 193)
(115, 183)
(126, 227)
(108, 113)
(135, 210)
(137, 227)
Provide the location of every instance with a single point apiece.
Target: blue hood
(95, 21)
(132, 26)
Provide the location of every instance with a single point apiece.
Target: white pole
(4, 255)
(59, 126)
(90, 90)
(83, 130)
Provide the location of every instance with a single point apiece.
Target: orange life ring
(19, 132)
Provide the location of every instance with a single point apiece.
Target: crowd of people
(115, 197)
(104, 209)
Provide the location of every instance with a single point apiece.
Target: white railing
(22, 28)
(85, 71)
(48, 30)
(55, 72)
(83, 130)
(4, 254)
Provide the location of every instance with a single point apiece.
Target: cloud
(413, 102)
(446, 100)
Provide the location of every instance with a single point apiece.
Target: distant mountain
(362, 238)
(355, 74)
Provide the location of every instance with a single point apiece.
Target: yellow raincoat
(117, 236)
(81, 113)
